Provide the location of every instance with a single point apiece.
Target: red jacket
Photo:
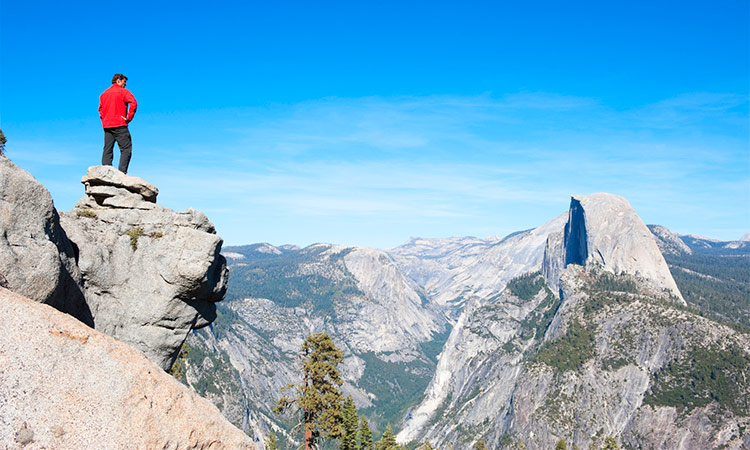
(113, 106)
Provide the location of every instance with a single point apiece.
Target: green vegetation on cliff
(570, 351)
(526, 286)
(702, 375)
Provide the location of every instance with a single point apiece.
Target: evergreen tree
(520, 445)
(272, 443)
(480, 445)
(428, 446)
(349, 439)
(2, 142)
(180, 364)
(610, 444)
(318, 396)
(561, 445)
(365, 435)
(388, 440)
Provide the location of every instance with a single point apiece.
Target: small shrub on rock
(86, 213)
(134, 233)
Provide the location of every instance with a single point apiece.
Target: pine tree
(318, 396)
(365, 435)
(388, 440)
(272, 443)
(2, 142)
(180, 364)
(427, 446)
(349, 439)
(561, 445)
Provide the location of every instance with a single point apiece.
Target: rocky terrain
(281, 295)
(149, 274)
(120, 264)
(64, 385)
(589, 326)
(610, 357)
(574, 330)
(37, 259)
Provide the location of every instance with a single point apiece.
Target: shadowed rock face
(604, 229)
(149, 274)
(64, 385)
(36, 257)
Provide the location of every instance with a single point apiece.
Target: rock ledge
(107, 186)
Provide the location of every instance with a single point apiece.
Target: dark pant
(122, 136)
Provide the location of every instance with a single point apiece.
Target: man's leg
(126, 147)
(109, 145)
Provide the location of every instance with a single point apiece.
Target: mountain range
(588, 326)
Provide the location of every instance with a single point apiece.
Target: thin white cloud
(375, 171)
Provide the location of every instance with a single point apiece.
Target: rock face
(36, 258)
(600, 362)
(357, 295)
(64, 385)
(669, 242)
(605, 352)
(149, 274)
(603, 229)
(453, 270)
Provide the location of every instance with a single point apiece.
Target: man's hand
(125, 118)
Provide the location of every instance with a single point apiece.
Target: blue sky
(365, 123)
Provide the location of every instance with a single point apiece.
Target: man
(116, 109)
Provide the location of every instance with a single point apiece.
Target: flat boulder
(105, 185)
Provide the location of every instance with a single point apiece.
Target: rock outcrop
(36, 258)
(610, 363)
(499, 371)
(604, 229)
(149, 274)
(107, 186)
(64, 385)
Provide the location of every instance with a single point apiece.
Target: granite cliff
(573, 330)
(149, 274)
(128, 268)
(64, 385)
(597, 343)
(37, 259)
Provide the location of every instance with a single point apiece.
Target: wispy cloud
(374, 171)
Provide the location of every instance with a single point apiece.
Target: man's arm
(132, 105)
